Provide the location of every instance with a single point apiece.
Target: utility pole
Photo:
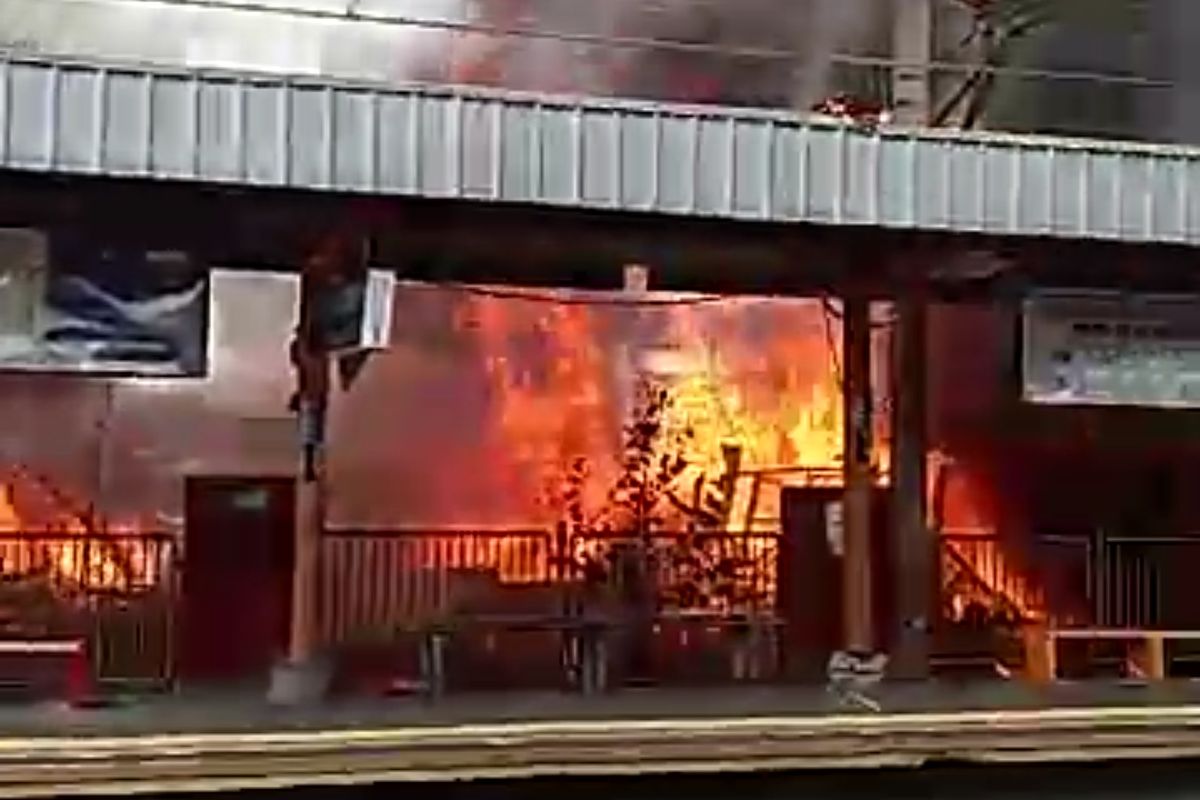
(300, 679)
(912, 547)
(345, 314)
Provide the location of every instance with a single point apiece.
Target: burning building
(467, 432)
(502, 420)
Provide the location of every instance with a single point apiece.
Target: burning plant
(658, 538)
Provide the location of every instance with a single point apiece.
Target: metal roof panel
(502, 147)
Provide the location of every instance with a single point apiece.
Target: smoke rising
(756, 32)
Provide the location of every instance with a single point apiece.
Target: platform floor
(234, 740)
(247, 709)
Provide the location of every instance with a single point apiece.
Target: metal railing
(375, 580)
(387, 580)
(117, 590)
(383, 581)
(719, 572)
(1143, 581)
(1080, 580)
(980, 575)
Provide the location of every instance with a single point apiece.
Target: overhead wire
(354, 13)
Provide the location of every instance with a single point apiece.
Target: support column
(912, 39)
(311, 494)
(913, 548)
(858, 622)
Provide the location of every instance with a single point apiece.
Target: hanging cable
(354, 13)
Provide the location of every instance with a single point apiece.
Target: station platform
(234, 741)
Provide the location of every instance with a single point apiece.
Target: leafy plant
(657, 537)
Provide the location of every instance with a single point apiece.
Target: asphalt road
(1141, 781)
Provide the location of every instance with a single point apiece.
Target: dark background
(1145, 780)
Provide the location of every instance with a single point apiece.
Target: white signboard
(1109, 349)
(378, 303)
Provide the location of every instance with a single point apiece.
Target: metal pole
(911, 45)
(856, 398)
(914, 547)
(311, 492)
(301, 678)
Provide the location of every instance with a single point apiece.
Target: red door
(236, 576)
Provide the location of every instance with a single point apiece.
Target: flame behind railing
(977, 572)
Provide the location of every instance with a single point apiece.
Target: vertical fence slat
(399, 577)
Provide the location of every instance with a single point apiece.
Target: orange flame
(555, 373)
(977, 569)
(52, 538)
(758, 378)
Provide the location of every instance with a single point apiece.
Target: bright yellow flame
(61, 542)
(9, 521)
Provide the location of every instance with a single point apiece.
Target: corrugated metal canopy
(719, 163)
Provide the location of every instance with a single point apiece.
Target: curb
(48, 766)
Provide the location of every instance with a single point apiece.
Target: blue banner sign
(96, 307)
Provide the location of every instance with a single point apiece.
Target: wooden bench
(1146, 653)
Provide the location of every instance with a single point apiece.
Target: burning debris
(856, 111)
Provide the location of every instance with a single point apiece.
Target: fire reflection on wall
(481, 401)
